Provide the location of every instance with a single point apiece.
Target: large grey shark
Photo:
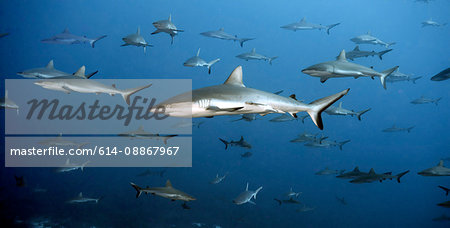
(60, 141)
(81, 199)
(240, 143)
(166, 26)
(218, 179)
(233, 98)
(397, 76)
(291, 193)
(322, 143)
(372, 177)
(283, 118)
(328, 171)
(355, 173)
(333, 110)
(340, 68)
(369, 39)
(68, 38)
(49, 72)
(291, 200)
(424, 100)
(136, 39)
(442, 218)
(221, 34)
(247, 117)
(68, 167)
(398, 129)
(196, 61)
(7, 103)
(432, 23)
(252, 55)
(304, 137)
(441, 76)
(246, 196)
(357, 53)
(436, 171)
(87, 86)
(167, 191)
(304, 25)
(140, 133)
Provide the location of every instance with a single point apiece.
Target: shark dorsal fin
(356, 48)
(66, 30)
(221, 29)
(356, 169)
(198, 52)
(50, 65)
(138, 31)
(303, 19)
(67, 162)
(168, 184)
(242, 139)
(254, 50)
(340, 104)
(246, 188)
(80, 72)
(369, 33)
(80, 195)
(170, 17)
(441, 163)
(341, 56)
(293, 96)
(372, 171)
(235, 77)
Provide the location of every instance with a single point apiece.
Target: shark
(436, 171)
(168, 191)
(304, 137)
(68, 167)
(221, 34)
(240, 143)
(441, 76)
(7, 103)
(424, 100)
(49, 72)
(252, 55)
(328, 171)
(68, 38)
(291, 193)
(305, 25)
(234, 98)
(283, 118)
(445, 189)
(196, 61)
(81, 199)
(372, 177)
(291, 200)
(432, 23)
(369, 39)
(341, 200)
(333, 110)
(442, 218)
(218, 179)
(136, 39)
(397, 76)
(342, 68)
(305, 209)
(87, 86)
(398, 129)
(166, 26)
(355, 173)
(247, 117)
(3, 34)
(60, 141)
(322, 143)
(357, 53)
(444, 204)
(140, 133)
(149, 172)
(246, 196)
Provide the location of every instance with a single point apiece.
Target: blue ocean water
(276, 164)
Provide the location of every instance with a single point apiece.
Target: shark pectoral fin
(218, 109)
(67, 89)
(323, 79)
(252, 202)
(156, 31)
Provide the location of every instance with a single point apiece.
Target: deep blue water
(276, 163)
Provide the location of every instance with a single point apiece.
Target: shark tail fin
(167, 138)
(415, 79)
(445, 189)
(359, 114)
(437, 100)
(225, 142)
(84, 164)
(390, 44)
(343, 143)
(331, 26)
(410, 128)
(385, 74)
(381, 53)
(400, 175)
(256, 192)
(128, 92)
(211, 63)
(271, 59)
(137, 188)
(279, 201)
(318, 106)
(92, 42)
(241, 41)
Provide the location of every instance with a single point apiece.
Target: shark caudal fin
(415, 79)
(400, 175)
(128, 92)
(84, 164)
(386, 73)
(342, 143)
(167, 138)
(359, 114)
(211, 63)
(316, 107)
(92, 42)
(271, 59)
(331, 26)
(225, 142)
(445, 189)
(410, 128)
(242, 40)
(256, 192)
(381, 53)
(389, 44)
(279, 201)
(137, 188)
(437, 100)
